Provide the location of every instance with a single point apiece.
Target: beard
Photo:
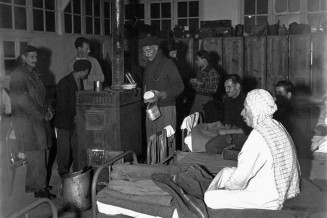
(281, 100)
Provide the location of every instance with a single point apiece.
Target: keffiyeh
(286, 167)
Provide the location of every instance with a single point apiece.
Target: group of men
(265, 145)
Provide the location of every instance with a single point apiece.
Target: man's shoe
(44, 193)
(28, 189)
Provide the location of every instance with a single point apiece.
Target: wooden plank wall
(263, 61)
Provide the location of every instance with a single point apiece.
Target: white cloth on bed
(251, 184)
(190, 121)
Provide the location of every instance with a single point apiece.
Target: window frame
(188, 17)
(12, 7)
(44, 10)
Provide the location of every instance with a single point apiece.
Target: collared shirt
(210, 78)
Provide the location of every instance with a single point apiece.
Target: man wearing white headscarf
(268, 171)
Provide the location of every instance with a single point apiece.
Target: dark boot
(44, 193)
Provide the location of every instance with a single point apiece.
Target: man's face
(232, 89)
(247, 115)
(199, 61)
(280, 91)
(150, 52)
(30, 58)
(84, 74)
(173, 54)
(84, 50)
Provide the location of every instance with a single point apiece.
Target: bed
(165, 199)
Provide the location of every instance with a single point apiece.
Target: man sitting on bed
(267, 172)
(235, 131)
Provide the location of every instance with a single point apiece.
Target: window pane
(20, 2)
(50, 21)
(194, 9)
(313, 5)
(68, 23)
(20, 18)
(293, 5)
(9, 66)
(107, 10)
(9, 49)
(97, 8)
(293, 18)
(194, 24)
(77, 24)
(262, 6)
(88, 7)
(281, 6)
(165, 10)
(77, 6)
(182, 22)
(5, 16)
(249, 7)
(323, 5)
(50, 4)
(107, 27)
(68, 8)
(182, 9)
(261, 20)
(155, 24)
(89, 25)
(249, 21)
(139, 11)
(38, 3)
(166, 25)
(96, 26)
(155, 10)
(38, 20)
(6, 1)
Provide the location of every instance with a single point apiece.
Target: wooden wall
(263, 61)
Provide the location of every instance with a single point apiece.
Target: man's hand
(157, 96)
(223, 131)
(196, 81)
(21, 155)
(48, 115)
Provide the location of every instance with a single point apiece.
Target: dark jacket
(29, 106)
(66, 103)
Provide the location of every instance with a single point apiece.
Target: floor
(20, 199)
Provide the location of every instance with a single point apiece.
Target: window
(188, 14)
(317, 13)
(133, 11)
(10, 52)
(44, 18)
(288, 11)
(107, 17)
(73, 16)
(13, 14)
(255, 12)
(92, 17)
(160, 15)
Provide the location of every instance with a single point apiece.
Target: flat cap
(81, 65)
(203, 54)
(147, 41)
(28, 48)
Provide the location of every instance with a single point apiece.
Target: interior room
(262, 41)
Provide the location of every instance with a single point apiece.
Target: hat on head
(203, 54)
(147, 41)
(81, 65)
(28, 48)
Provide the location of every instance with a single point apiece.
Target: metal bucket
(76, 191)
(153, 112)
(97, 86)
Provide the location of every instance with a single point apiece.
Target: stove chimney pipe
(118, 16)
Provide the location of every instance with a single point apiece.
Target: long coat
(29, 107)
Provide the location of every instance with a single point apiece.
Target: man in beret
(65, 120)
(82, 46)
(31, 115)
(162, 78)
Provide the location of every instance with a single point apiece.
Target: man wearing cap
(206, 82)
(65, 120)
(82, 46)
(162, 78)
(30, 116)
(267, 171)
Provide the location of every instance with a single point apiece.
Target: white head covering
(261, 104)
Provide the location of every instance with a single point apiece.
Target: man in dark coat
(31, 115)
(65, 120)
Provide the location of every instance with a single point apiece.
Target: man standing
(82, 46)
(205, 84)
(30, 116)
(65, 120)
(235, 130)
(162, 78)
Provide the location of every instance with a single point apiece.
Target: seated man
(235, 130)
(267, 172)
